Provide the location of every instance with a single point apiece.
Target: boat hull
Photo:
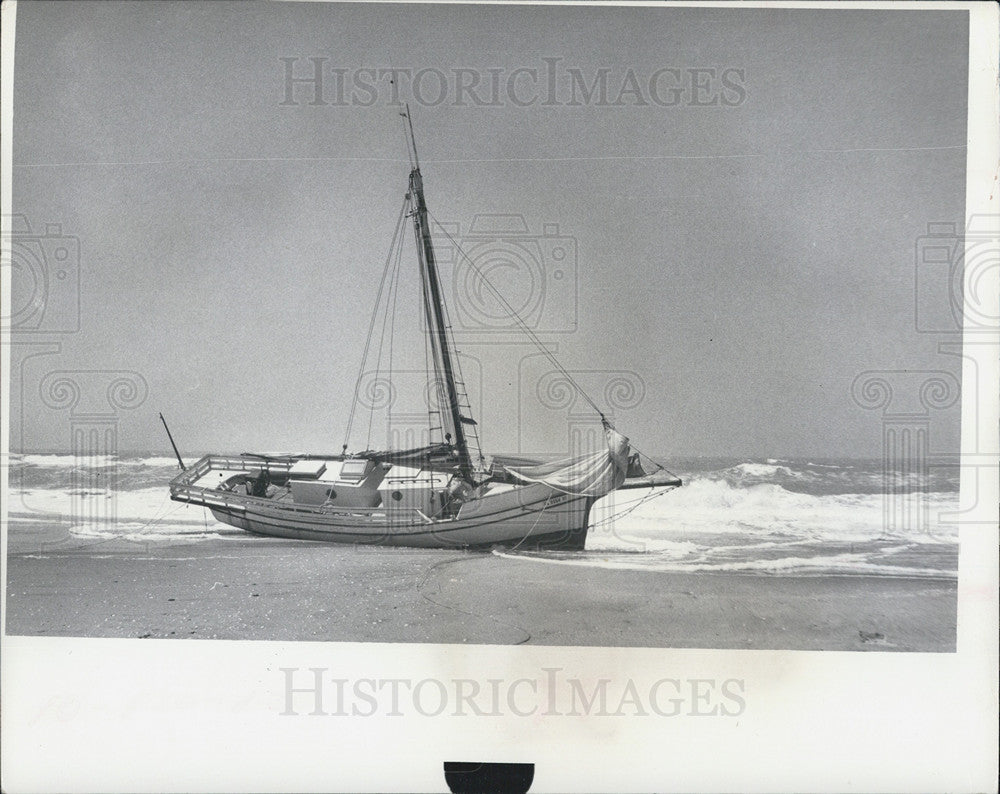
(529, 516)
(525, 516)
(532, 517)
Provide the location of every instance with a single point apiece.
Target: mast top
(411, 141)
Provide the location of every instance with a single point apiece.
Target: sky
(715, 265)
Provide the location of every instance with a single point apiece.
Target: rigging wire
(371, 324)
(523, 326)
(391, 271)
(393, 296)
(659, 466)
(381, 343)
(654, 493)
(538, 517)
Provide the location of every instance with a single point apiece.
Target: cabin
(364, 483)
(342, 483)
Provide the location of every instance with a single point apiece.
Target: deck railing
(182, 489)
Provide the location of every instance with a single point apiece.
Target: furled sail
(589, 475)
(421, 457)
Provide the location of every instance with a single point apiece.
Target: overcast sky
(745, 246)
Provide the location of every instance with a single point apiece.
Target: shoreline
(245, 587)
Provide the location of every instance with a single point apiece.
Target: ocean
(755, 517)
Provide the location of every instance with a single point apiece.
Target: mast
(451, 417)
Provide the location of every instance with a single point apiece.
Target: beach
(240, 587)
(774, 555)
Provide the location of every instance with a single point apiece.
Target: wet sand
(250, 588)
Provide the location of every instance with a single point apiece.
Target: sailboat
(438, 495)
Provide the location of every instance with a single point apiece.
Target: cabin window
(331, 493)
(397, 495)
(355, 469)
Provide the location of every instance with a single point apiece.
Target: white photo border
(161, 715)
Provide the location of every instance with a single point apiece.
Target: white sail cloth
(589, 475)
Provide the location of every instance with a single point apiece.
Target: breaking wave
(778, 516)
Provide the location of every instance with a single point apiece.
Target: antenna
(178, 454)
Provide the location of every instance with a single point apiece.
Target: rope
(393, 296)
(642, 454)
(530, 334)
(657, 492)
(163, 510)
(371, 324)
(538, 517)
(381, 343)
